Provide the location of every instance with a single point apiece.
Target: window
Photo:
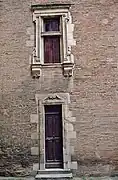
(53, 38)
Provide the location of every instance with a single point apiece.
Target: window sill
(66, 66)
(52, 65)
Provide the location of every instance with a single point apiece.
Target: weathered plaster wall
(93, 89)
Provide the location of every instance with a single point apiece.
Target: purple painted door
(53, 136)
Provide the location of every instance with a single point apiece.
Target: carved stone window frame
(67, 60)
(53, 99)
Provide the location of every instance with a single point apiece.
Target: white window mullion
(64, 37)
(37, 38)
(41, 41)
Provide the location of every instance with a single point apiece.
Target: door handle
(49, 138)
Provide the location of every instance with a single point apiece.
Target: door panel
(49, 153)
(58, 150)
(53, 136)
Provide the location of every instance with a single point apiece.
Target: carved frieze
(53, 98)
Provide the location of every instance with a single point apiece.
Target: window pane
(53, 109)
(51, 24)
(52, 49)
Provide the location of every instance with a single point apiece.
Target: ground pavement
(82, 178)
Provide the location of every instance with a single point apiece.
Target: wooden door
(53, 136)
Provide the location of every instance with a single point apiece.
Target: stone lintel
(50, 6)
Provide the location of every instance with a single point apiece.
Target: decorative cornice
(52, 97)
(50, 6)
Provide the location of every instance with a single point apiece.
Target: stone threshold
(54, 174)
(74, 178)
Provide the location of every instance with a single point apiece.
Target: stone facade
(92, 90)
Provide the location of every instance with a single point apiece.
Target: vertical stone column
(68, 62)
(64, 37)
(34, 139)
(41, 136)
(37, 38)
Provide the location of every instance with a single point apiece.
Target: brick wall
(93, 88)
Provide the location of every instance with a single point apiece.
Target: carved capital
(69, 51)
(35, 70)
(68, 69)
(35, 59)
(66, 18)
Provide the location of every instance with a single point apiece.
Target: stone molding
(38, 149)
(68, 130)
(51, 99)
(50, 6)
(37, 57)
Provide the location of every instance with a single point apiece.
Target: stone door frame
(53, 99)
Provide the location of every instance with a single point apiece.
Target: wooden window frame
(51, 33)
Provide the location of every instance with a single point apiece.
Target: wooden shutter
(52, 41)
(51, 49)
